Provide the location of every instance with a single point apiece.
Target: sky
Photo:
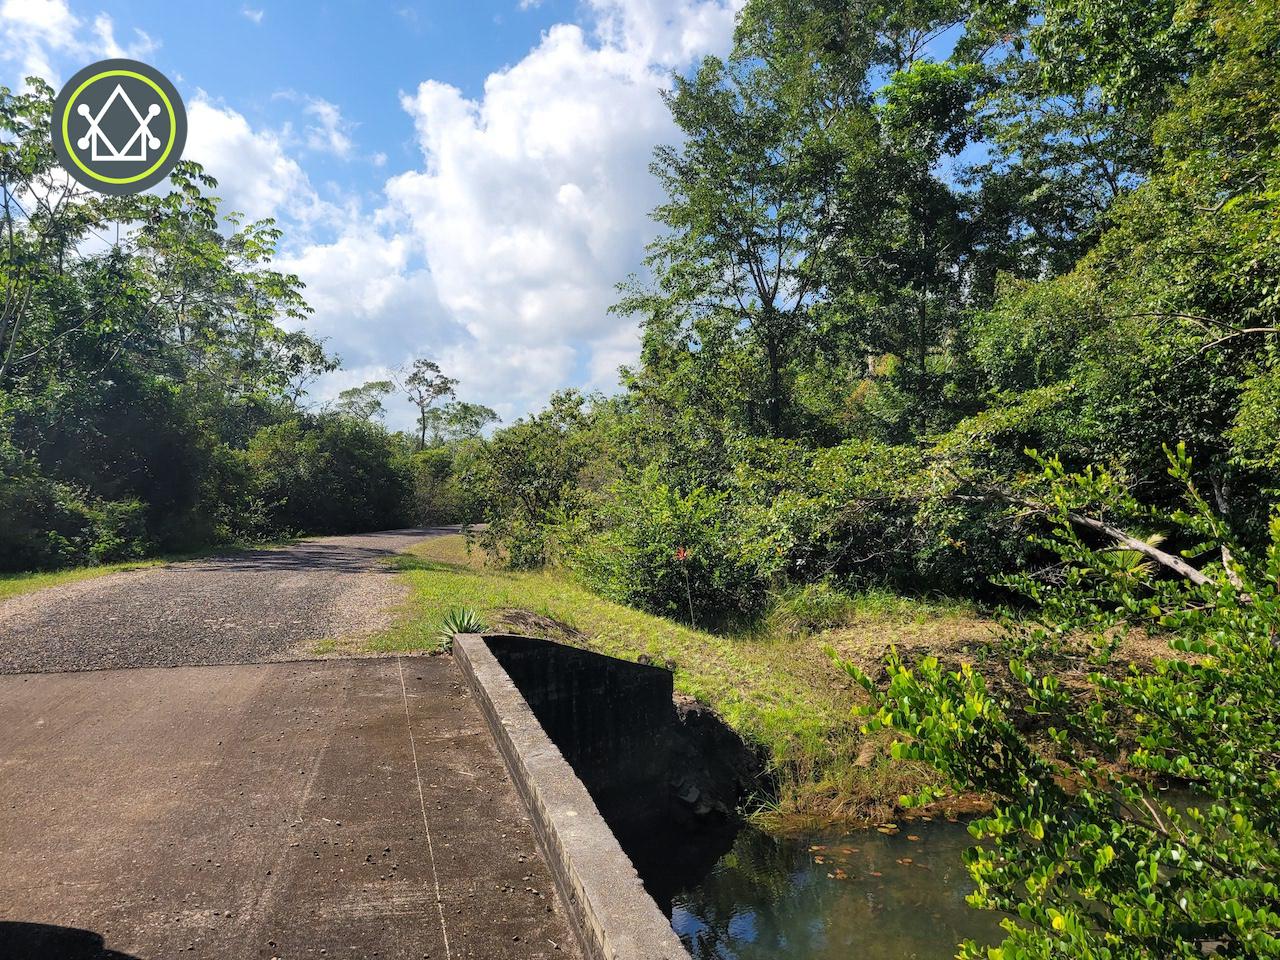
(464, 180)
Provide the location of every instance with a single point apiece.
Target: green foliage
(880, 279)
(676, 554)
(46, 524)
(1081, 849)
(365, 402)
(811, 608)
(425, 385)
(457, 420)
(150, 395)
(329, 474)
(527, 474)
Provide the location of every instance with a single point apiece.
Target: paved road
(242, 608)
(350, 809)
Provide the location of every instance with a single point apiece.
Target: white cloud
(253, 14)
(374, 299)
(35, 34)
(533, 200)
(104, 32)
(329, 133)
(666, 33)
(499, 255)
(256, 175)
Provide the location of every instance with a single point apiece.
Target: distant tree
(365, 402)
(425, 384)
(458, 420)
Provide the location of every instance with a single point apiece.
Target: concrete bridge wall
(612, 720)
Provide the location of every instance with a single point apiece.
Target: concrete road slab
(336, 809)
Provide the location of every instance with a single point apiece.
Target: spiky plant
(458, 620)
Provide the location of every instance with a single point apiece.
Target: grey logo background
(119, 126)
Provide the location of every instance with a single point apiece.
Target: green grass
(775, 687)
(14, 584)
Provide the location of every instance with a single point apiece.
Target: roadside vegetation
(14, 584)
(151, 398)
(972, 302)
(772, 683)
(981, 301)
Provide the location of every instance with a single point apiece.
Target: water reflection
(892, 896)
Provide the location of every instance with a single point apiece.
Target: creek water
(866, 894)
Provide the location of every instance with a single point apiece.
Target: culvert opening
(667, 777)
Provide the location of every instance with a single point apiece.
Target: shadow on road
(345, 556)
(297, 559)
(42, 941)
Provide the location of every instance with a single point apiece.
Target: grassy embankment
(775, 686)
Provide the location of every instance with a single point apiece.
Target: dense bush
(441, 489)
(676, 554)
(1083, 854)
(45, 523)
(529, 475)
(811, 608)
(330, 474)
(151, 397)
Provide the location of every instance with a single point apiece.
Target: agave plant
(458, 620)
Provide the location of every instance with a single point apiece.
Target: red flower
(681, 553)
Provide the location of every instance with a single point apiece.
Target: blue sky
(466, 181)
(264, 58)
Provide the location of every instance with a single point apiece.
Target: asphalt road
(328, 809)
(245, 607)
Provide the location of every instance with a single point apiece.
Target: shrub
(1080, 848)
(330, 474)
(676, 554)
(45, 523)
(458, 620)
(811, 608)
(116, 530)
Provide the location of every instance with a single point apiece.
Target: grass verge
(14, 584)
(775, 687)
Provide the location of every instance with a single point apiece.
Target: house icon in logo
(100, 145)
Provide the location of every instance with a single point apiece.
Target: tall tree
(738, 269)
(458, 420)
(425, 386)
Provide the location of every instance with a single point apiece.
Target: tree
(365, 402)
(425, 385)
(738, 271)
(458, 420)
(526, 475)
(142, 345)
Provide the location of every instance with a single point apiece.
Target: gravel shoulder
(247, 607)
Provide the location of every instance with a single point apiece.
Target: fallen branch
(1166, 560)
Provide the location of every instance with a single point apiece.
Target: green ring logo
(119, 126)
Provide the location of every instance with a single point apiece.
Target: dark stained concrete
(338, 809)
